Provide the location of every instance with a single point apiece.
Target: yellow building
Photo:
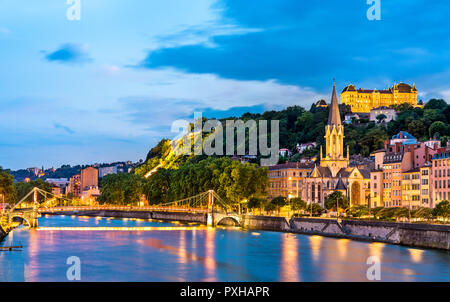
(287, 179)
(425, 186)
(362, 100)
(411, 194)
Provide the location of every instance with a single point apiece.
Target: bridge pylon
(210, 216)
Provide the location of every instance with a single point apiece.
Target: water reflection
(289, 258)
(210, 263)
(168, 252)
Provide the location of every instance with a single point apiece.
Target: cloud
(173, 94)
(201, 34)
(69, 54)
(65, 128)
(308, 44)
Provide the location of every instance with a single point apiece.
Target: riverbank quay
(408, 234)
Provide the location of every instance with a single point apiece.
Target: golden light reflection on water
(342, 247)
(376, 249)
(289, 259)
(210, 263)
(416, 255)
(115, 229)
(315, 247)
(182, 253)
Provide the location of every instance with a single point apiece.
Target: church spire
(334, 117)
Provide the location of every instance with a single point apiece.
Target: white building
(390, 114)
(305, 146)
(102, 172)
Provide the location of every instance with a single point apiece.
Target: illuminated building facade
(334, 173)
(441, 176)
(363, 100)
(287, 179)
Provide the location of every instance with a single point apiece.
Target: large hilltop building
(363, 100)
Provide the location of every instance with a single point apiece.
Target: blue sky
(109, 86)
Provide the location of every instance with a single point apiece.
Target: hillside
(298, 125)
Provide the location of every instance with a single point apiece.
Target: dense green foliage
(121, 189)
(256, 203)
(337, 199)
(232, 180)
(297, 204)
(23, 188)
(276, 203)
(7, 189)
(442, 209)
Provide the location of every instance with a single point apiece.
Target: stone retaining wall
(268, 223)
(420, 235)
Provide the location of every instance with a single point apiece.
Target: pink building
(440, 176)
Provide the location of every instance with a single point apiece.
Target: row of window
(441, 184)
(441, 173)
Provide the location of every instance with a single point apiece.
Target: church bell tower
(334, 139)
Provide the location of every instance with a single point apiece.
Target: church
(334, 173)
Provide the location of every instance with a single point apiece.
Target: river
(138, 250)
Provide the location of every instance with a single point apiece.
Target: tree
(315, 209)
(422, 213)
(121, 189)
(442, 209)
(436, 104)
(279, 202)
(7, 188)
(256, 203)
(358, 211)
(297, 204)
(417, 128)
(372, 140)
(23, 188)
(438, 128)
(270, 207)
(381, 117)
(336, 199)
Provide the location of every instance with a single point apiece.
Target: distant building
(89, 178)
(59, 185)
(285, 152)
(74, 187)
(35, 171)
(102, 172)
(363, 100)
(57, 191)
(305, 146)
(433, 143)
(90, 193)
(349, 117)
(391, 114)
(321, 103)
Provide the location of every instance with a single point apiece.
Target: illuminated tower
(334, 140)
